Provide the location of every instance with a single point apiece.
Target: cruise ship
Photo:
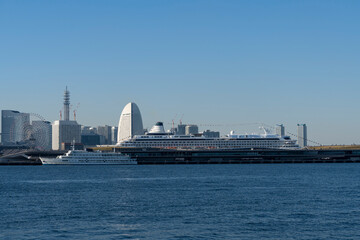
(158, 138)
(85, 157)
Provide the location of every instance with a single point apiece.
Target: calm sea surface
(269, 201)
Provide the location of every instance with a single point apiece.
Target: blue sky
(216, 62)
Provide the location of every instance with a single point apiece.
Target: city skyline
(214, 63)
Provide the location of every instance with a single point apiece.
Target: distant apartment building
(211, 134)
(280, 130)
(302, 135)
(89, 136)
(191, 129)
(89, 140)
(105, 132)
(88, 130)
(114, 133)
(65, 132)
(181, 129)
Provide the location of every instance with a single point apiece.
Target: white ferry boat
(158, 138)
(85, 157)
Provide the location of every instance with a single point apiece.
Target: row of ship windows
(208, 143)
(204, 142)
(101, 160)
(199, 144)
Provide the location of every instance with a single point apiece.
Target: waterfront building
(14, 126)
(130, 123)
(191, 129)
(65, 131)
(302, 135)
(280, 130)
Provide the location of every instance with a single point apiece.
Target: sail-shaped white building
(130, 123)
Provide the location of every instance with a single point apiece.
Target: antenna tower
(66, 104)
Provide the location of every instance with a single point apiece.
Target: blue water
(270, 201)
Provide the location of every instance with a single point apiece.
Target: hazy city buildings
(105, 132)
(130, 123)
(181, 129)
(114, 135)
(90, 139)
(302, 135)
(14, 126)
(280, 130)
(65, 132)
(89, 136)
(211, 134)
(191, 129)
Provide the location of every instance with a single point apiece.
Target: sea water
(268, 201)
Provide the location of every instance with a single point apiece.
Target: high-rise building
(302, 135)
(181, 129)
(89, 136)
(114, 133)
(191, 129)
(65, 131)
(14, 126)
(130, 123)
(280, 130)
(105, 131)
(88, 130)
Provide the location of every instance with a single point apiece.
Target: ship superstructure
(158, 138)
(85, 157)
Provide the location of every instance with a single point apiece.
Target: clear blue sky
(216, 62)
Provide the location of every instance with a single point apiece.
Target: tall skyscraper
(14, 126)
(65, 131)
(130, 123)
(114, 135)
(302, 135)
(280, 130)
